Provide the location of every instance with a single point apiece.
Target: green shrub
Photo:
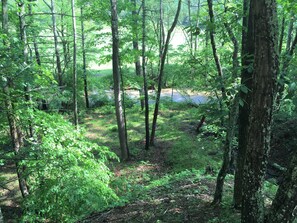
(66, 180)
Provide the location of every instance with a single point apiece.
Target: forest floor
(172, 182)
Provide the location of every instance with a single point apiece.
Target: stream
(169, 94)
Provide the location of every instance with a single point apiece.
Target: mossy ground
(168, 183)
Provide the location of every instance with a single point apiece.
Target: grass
(172, 171)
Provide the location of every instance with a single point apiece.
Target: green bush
(66, 180)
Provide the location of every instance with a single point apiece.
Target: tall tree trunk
(190, 24)
(15, 134)
(281, 37)
(284, 69)
(197, 25)
(145, 87)
(161, 29)
(247, 53)
(117, 82)
(232, 119)
(4, 17)
(161, 73)
(262, 17)
(216, 58)
(84, 58)
(136, 48)
(290, 30)
(57, 53)
(285, 201)
(75, 112)
(23, 37)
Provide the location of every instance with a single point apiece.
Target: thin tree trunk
(232, 119)
(4, 17)
(233, 115)
(117, 82)
(161, 72)
(290, 30)
(197, 25)
(55, 32)
(16, 135)
(136, 48)
(281, 38)
(262, 17)
(161, 29)
(246, 80)
(145, 87)
(217, 62)
(214, 50)
(84, 59)
(23, 37)
(75, 112)
(283, 73)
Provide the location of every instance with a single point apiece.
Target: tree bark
(247, 53)
(190, 24)
(136, 49)
(57, 54)
(281, 37)
(285, 201)
(75, 112)
(217, 62)
(4, 16)
(84, 59)
(214, 49)
(161, 72)
(262, 16)
(290, 30)
(284, 69)
(145, 87)
(197, 25)
(117, 82)
(232, 119)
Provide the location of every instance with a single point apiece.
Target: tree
(16, 133)
(55, 32)
(75, 115)
(161, 73)
(84, 58)
(262, 37)
(246, 81)
(135, 18)
(231, 124)
(146, 99)
(117, 83)
(215, 55)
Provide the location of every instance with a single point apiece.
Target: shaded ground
(187, 200)
(154, 193)
(10, 194)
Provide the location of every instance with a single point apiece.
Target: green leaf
(244, 89)
(241, 102)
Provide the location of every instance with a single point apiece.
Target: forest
(148, 111)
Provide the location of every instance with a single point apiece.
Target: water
(167, 94)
